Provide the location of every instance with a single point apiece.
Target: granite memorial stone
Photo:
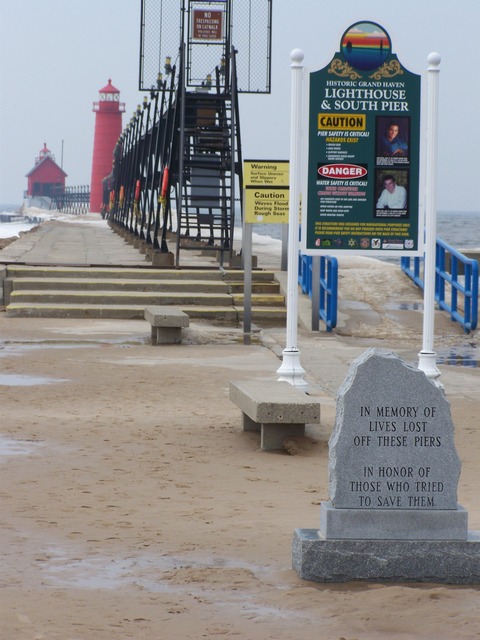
(393, 476)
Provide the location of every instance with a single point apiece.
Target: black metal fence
(245, 24)
(171, 140)
(74, 200)
(137, 192)
(177, 166)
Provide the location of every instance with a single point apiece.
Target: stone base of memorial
(439, 561)
(393, 474)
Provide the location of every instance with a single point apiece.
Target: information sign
(266, 191)
(363, 151)
(207, 25)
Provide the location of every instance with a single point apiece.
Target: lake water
(459, 229)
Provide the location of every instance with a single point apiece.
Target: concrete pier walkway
(85, 240)
(378, 305)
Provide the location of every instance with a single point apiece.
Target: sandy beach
(134, 506)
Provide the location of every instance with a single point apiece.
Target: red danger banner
(207, 25)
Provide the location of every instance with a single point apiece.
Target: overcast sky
(55, 55)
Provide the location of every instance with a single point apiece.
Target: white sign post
(427, 358)
(291, 370)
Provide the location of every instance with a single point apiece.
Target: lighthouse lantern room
(108, 127)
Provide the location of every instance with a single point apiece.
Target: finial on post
(296, 56)
(433, 60)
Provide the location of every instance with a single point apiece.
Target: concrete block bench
(167, 323)
(276, 409)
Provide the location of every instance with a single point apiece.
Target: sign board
(207, 25)
(363, 151)
(266, 185)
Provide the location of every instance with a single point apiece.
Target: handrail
(75, 200)
(328, 291)
(326, 295)
(457, 271)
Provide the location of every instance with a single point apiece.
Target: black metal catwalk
(75, 200)
(177, 166)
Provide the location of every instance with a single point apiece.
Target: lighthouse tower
(108, 127)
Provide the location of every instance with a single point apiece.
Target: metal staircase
(210, 165)
(177, 165)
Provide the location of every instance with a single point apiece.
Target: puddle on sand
(18, 380)
(461, 356)
(8, 349)
(404, 306)
(355, 305)
(11, 447)
(146, 573)
(109, 573)
(92, 574)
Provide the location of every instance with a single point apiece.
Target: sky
(55, 56)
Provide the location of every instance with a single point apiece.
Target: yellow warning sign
(266, 191)
(266, 206)
(266, 173)
(342, 121)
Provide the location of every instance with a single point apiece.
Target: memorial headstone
(393, 476)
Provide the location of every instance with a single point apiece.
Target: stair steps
(88, 292)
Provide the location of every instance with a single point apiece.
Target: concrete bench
(276, 409)
(167, 323)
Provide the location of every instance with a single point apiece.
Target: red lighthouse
(108, 127)
(45, 180)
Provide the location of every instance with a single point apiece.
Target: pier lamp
(168, 65)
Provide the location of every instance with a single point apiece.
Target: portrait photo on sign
(392, 141)
(391, 194)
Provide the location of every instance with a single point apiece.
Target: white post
(427, 358)
(291, 369)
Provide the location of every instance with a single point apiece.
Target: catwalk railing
(74, 200)
(170, 152)
(456, 283)
(135, 193)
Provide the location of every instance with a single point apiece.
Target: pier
(128, 483)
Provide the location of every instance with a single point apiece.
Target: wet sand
(133, 505)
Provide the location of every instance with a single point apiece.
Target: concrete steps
(143, 273)
(104, 292)
(118, 285)
(124, 273)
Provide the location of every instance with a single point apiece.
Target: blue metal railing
(305, 273)
(460, 273)
(327, 283)
(452, 268)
